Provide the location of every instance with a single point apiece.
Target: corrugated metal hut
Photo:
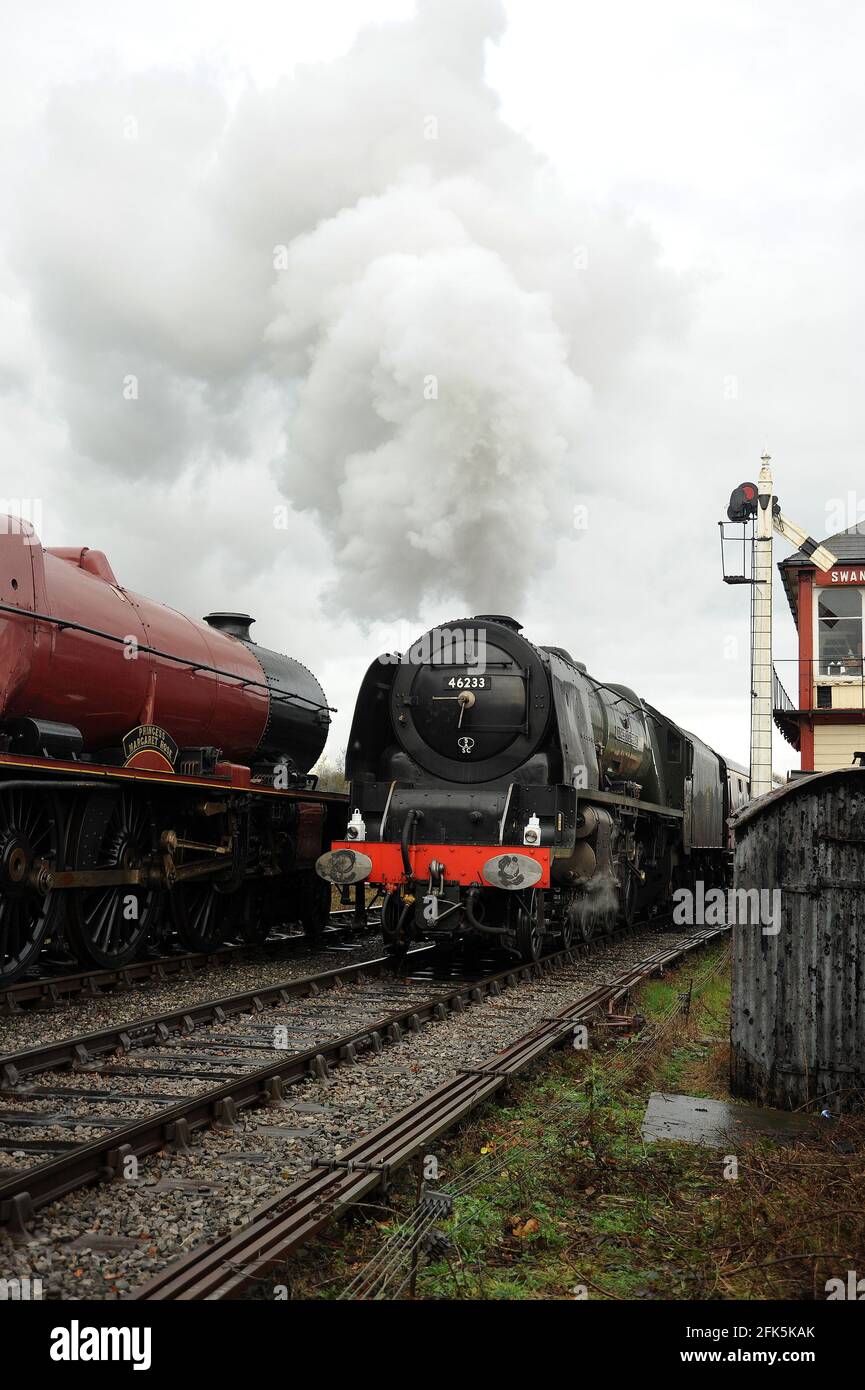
(798, 991)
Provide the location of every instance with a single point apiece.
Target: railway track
(84, 1110)
(47, 988)
(225, 1054)
(226, 1267)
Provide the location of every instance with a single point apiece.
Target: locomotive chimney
(234, 624)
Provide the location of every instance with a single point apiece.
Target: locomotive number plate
(468, 682)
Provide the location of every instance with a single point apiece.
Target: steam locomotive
(147, 760)
(502, 793)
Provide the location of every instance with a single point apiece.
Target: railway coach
(499, 791)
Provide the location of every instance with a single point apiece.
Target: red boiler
(99, 658)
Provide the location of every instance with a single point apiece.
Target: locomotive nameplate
(146, 740)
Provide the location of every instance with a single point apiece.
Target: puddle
(718, 1123)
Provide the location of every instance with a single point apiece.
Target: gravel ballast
(102, 1242)
(31, 1027)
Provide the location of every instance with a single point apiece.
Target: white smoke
(433, 427)
(369, 245)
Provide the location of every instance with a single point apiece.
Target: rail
(135, 1050)
(48, 989)
(225, 1267)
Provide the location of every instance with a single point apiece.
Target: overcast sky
(357, 318)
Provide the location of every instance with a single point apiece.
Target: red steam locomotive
(147, 762)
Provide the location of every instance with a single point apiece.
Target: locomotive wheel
(29, 833)
(629, 901)
(256, 914)
(109, 926)
(526, 912)
(314, 899)
(608, 919)
(587, 922)
(592, 918)
(391, 911)
(567, 931)
(629, 893)
(204, 913)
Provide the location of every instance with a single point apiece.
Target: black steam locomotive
(501, 792)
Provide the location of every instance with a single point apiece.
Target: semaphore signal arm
(818, 554)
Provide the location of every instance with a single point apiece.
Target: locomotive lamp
(754, 504)
(532, 832)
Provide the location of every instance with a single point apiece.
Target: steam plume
(368, 256)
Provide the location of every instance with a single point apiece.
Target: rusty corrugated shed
(798, 1003)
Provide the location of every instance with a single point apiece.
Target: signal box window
(839, 623)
